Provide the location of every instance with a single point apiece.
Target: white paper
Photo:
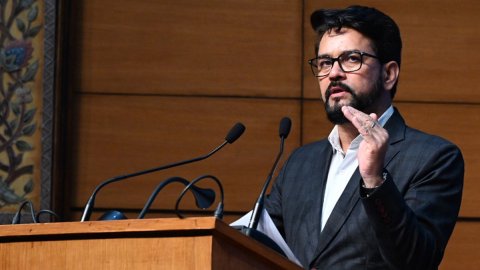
(266, 226)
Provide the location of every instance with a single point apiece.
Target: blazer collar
(396, 127)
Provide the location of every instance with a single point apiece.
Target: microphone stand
(91, 201)
(258, 208)
(251, 229)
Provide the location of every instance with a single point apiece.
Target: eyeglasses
(349, 61)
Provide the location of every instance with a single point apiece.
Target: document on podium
(266, 226)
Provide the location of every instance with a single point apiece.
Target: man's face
(360, 89)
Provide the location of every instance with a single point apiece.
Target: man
(376, 194)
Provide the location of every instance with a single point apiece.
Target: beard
(361, 102)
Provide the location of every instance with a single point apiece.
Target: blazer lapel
(341, 212)
(314, 218)
(396, 131)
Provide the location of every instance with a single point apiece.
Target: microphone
(218, 211)
(204, 198)
(251, 229)
(283, 132)
(235, 132)
(16, 219)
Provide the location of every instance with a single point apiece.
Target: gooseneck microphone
(204, 198)
(191, 186)
(284, 130)
(18, 214)
(235, 132)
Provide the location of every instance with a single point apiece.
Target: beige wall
(153, 82)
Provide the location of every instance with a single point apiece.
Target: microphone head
(204, 197)
(235, 133)
(284, 129)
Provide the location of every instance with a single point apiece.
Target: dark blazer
(404, 224)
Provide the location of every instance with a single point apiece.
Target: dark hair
(370, 22)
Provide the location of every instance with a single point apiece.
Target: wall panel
(233, 48)
(116, 135)
(440, 39)
(461, 252)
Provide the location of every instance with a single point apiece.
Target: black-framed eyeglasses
(349, 61)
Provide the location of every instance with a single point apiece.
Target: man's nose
(336, 71)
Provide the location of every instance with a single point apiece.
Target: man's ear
(391, 70)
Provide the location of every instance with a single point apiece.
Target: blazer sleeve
(413, 224)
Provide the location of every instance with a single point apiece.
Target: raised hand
(372, 149)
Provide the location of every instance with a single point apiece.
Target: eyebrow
(325, 55)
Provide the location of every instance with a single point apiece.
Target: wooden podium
(169, 243)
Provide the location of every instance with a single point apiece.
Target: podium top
(114, 226)
(154, 235)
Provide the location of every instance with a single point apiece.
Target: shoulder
(427, 156)
(413, 140)
(421, 141)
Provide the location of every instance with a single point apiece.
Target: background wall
(152, 82)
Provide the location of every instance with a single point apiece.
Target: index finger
(356, 117)
(363, 122)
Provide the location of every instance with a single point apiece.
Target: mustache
(345, 88)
